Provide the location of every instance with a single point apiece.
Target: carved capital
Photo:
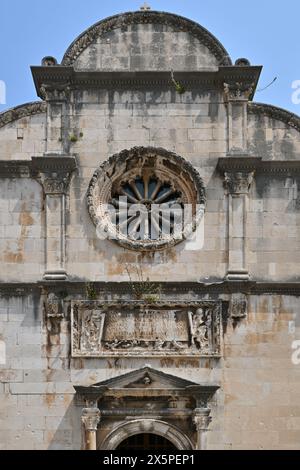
(239, 182)
(238, 91)
(55, 92)
(91, 418)
(54, 183)
(54, 173)
(202, 419)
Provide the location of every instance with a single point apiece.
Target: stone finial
(242, 62)
(145, 7)
(49, 61)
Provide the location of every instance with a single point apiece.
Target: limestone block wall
(256, 407)
(272, 138)
(274, 228)
(146, 47)
(22, 138)
(192, 125)
(21, 230)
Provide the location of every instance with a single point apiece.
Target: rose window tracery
(146, 198)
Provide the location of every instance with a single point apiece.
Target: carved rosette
(239, 182)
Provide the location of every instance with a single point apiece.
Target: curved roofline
(274, 112)
(135, 17)
(23, 110)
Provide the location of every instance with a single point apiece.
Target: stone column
(236, 99)
(90, 419)
(201, 420)
(54, 174)
(238, 184)
(57, 96)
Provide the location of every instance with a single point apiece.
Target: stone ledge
(66, 78)
(170, 290)
(257, 164)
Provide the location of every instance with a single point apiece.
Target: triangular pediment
(146, 378)
(146, 382)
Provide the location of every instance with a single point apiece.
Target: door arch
(146, 441)
(146, 426)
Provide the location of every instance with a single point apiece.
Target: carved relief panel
(138, 329)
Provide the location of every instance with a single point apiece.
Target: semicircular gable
(136, 38)
(24, 110)
(274, 112)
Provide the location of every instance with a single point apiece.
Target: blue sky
(264, 31)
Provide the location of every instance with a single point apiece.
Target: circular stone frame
(131, 163)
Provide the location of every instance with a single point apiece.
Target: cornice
(53, 163)
(15, 169)
(273, 112)
(24, 110)
(124, 20)
(170, 290)
(30, 168)
(61, 77)
(247, 164)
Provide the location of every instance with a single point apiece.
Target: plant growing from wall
(90, 290)
(178, 86)
(143, 289)
(74, 137)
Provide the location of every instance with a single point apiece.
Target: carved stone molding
(28, 109)
(91, 418)
(54, 313)
(108, 182)
(169, 397)
(238, 306)
(239, 91)
(125, 20)
(55, 92)
(53, 306)
(108, 329)
(246, 164)
(273, 112)
(239, 182)
(15, 169)
(202, 418)
(54, 173)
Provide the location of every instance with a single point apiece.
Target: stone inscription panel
(134, 328)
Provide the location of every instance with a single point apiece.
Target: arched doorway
(142, 426)
(146, 441)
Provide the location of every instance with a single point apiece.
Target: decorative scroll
(135, 328)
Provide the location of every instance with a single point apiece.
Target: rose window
(146, 198)
(146, 208)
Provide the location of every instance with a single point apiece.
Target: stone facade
(102, 340)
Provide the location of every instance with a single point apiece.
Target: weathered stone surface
(170, 366)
